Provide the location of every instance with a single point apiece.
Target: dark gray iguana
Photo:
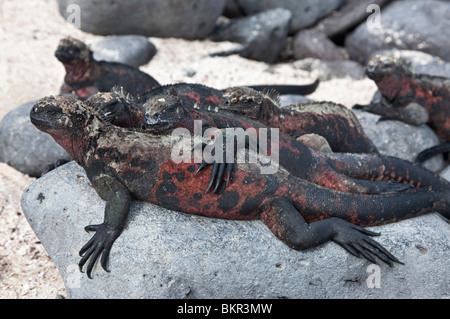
(358, 173)
(337, 124)
(124, 163)
(85, 76)
(412, 98)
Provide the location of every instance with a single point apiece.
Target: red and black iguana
(124, 163)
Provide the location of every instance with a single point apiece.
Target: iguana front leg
(118, 199)
(412, 113)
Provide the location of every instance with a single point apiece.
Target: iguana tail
(432, 151)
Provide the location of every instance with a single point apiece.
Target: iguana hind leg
(289, 226)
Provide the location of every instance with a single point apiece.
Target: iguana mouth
(39, 122)
(63, 56)
(160, 126)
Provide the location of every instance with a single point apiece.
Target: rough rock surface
(326, 70)
(166, 254)
(315, 44)
(134, 50)
(413, 25)
(157, 18)
(348, 16)
(289, 99)
(395, 138)
(304, 13)
(23, 146)
(262, 35)
(446, 173)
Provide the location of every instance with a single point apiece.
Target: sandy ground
(29, 34)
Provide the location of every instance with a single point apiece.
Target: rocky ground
(29, 34)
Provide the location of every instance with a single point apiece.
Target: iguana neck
(390, 86)
(271, 114)
(78, 71)
(81, 143)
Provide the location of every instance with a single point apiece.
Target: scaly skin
(164, 113)
(345, 172)
(85, 76)
(337, 124)
(123, 164)
(412, 98)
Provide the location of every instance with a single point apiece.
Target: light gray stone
(304, 13)
(326, 70)
(166, 254)
(446, 173)
(348, 16)
(132, 50)
(288, 99)
(315, 44)
(190, 19)
(395, 138)
(23, 146)
(412, 25)
(263, 35)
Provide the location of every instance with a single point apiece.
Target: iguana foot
(217, 171)
(56, 164)
(99, 244)
(357, 241)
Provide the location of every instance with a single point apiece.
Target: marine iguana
(412, 98)
(337, 124)
(347, 172)
(85, 76)
(358, 173)
(125, 163)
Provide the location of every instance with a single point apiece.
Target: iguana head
(242, 101)
(388, 73)
(163, 112)
(67, 120)
(115, 107)
(71, 50)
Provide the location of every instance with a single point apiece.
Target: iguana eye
(79, 117)
(52, 109)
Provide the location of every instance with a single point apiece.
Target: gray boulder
(166, 254)
(326, 70)
(446, 173)
(289, 99)
(395, 138)
(412, 25)
(348, 16)
(190, 19)
(134, 50)
(304, 13)
(23, 146)
(315, 44)
(263, 35)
